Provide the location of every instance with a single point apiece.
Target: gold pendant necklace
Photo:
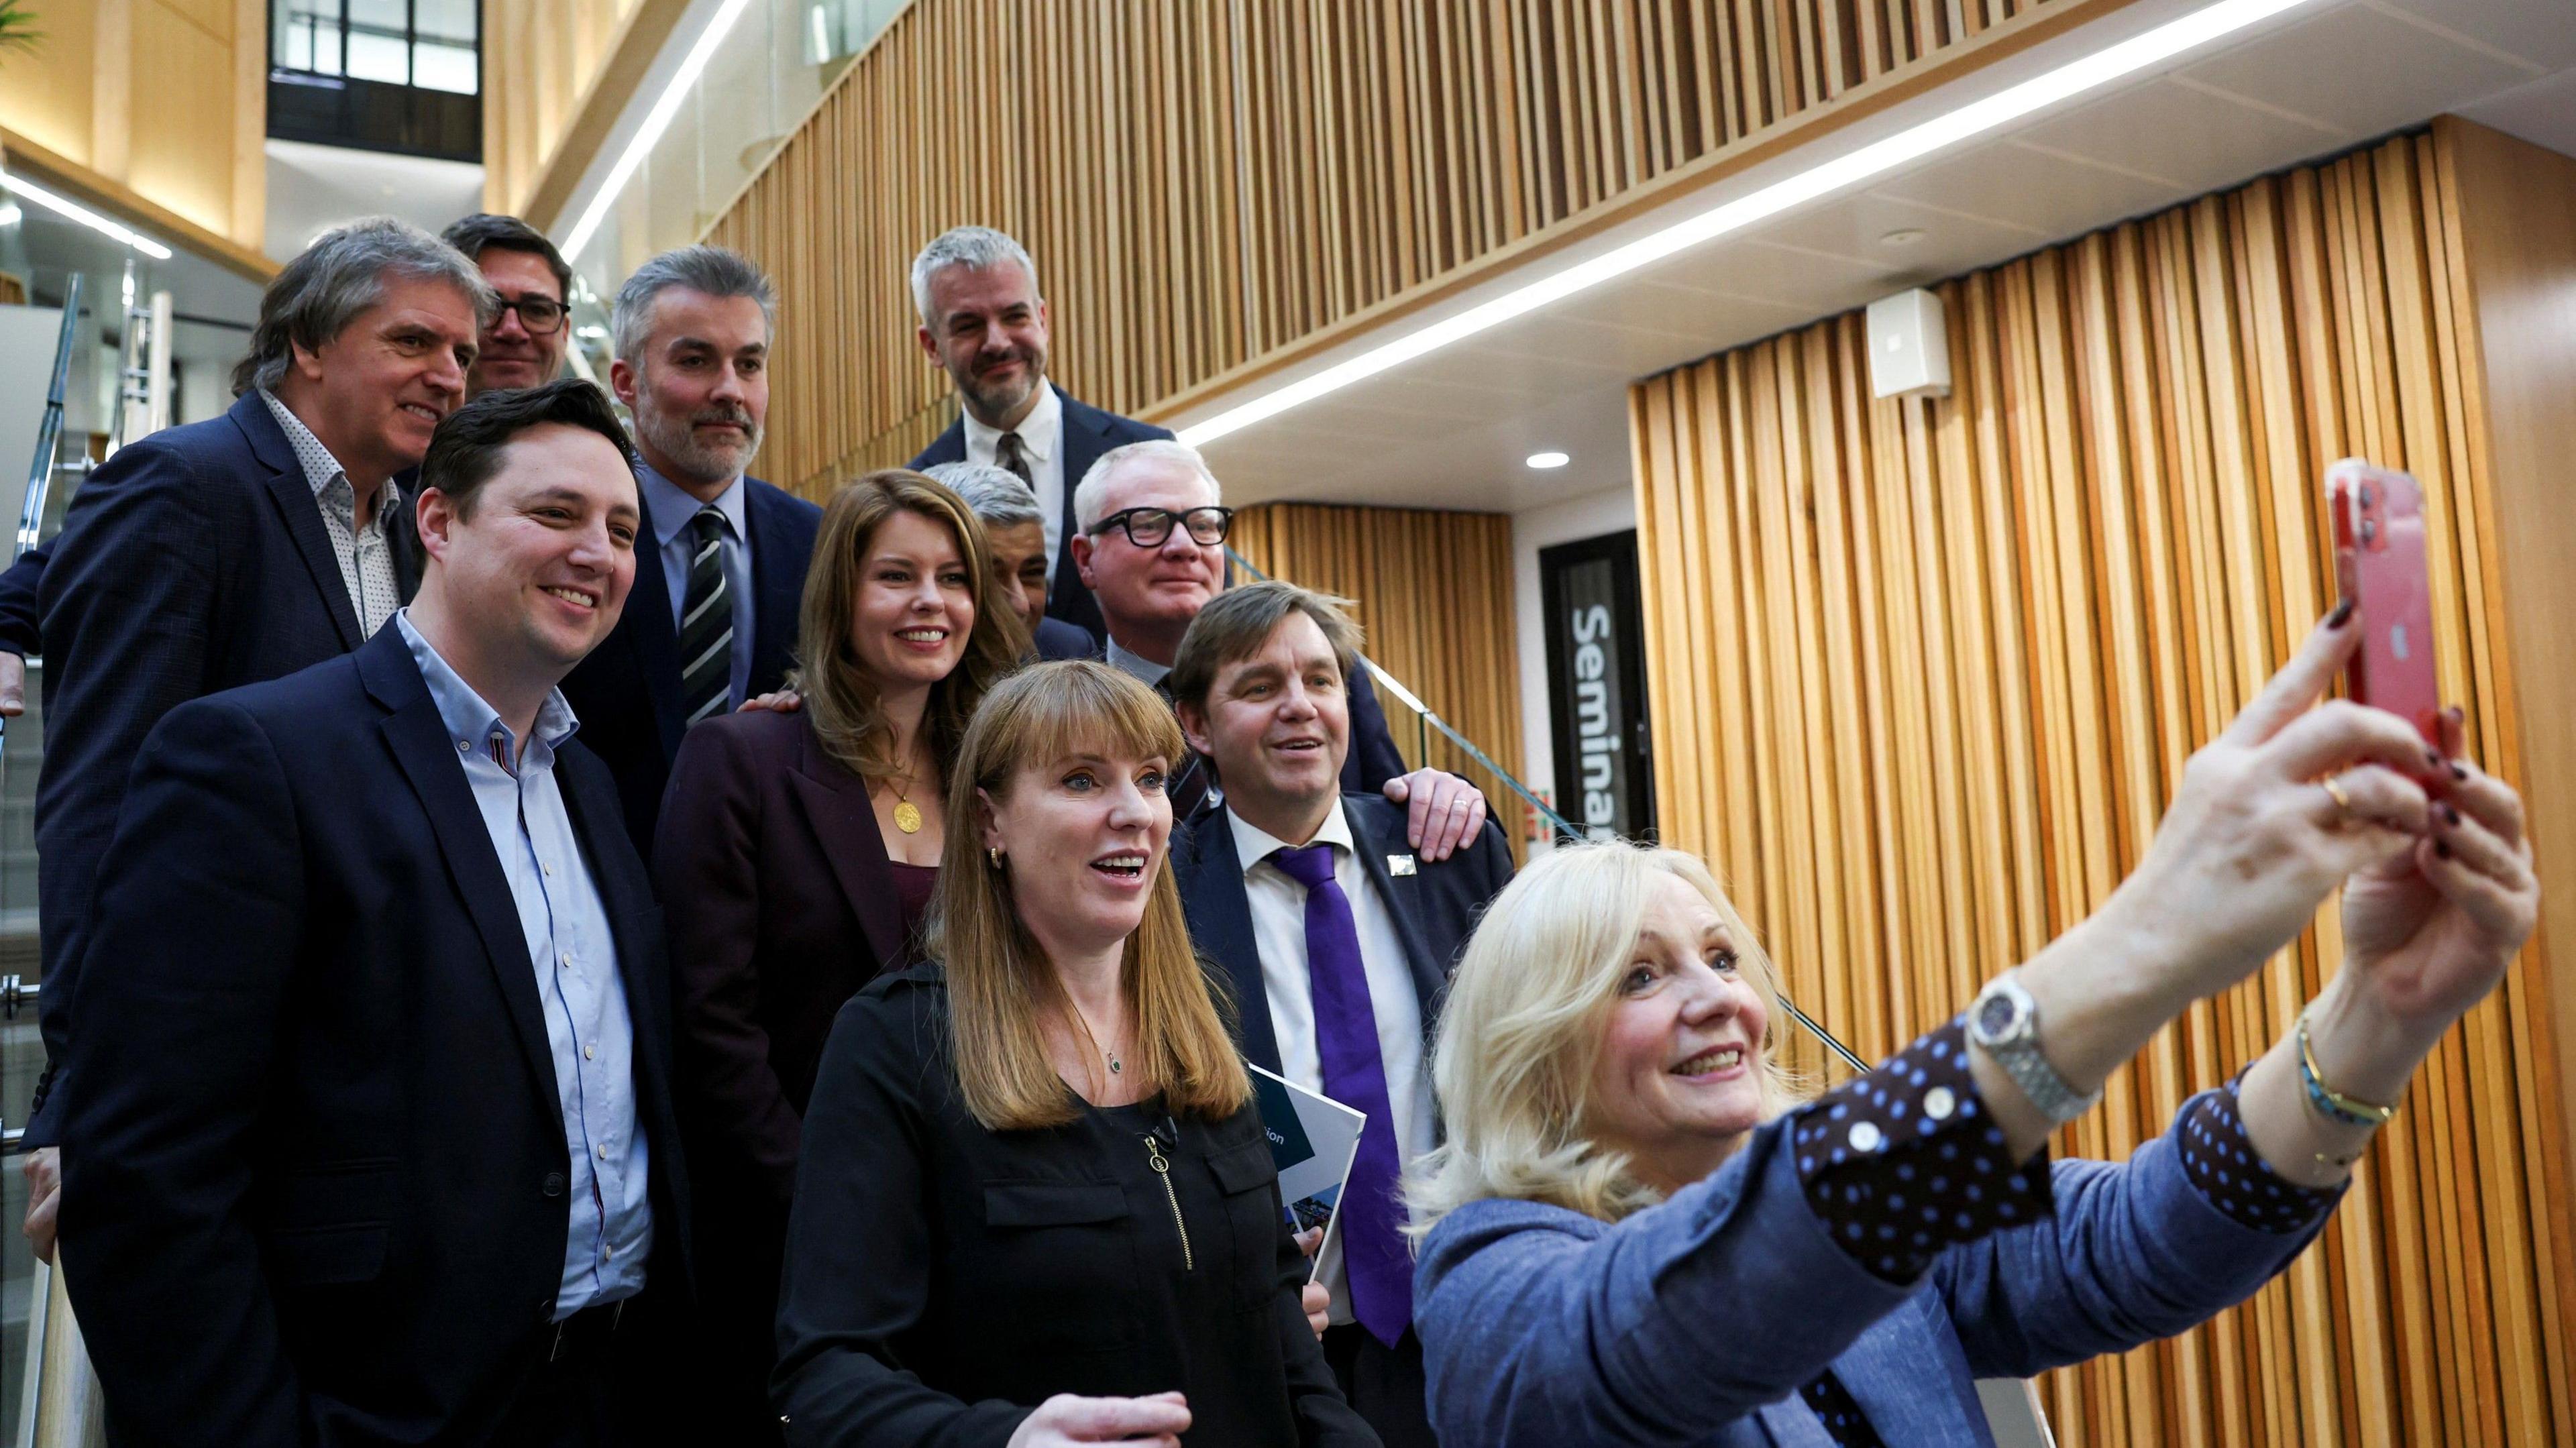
(907, 815)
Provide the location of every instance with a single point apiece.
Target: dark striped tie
(706, 621)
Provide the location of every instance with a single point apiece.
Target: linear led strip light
(1875, 159)
(656, 121)
(74, 211)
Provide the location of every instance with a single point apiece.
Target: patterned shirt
(1903, 1163)
(365, 554)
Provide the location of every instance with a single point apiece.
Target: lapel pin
(1399, 864)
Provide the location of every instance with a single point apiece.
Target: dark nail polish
(2450, 816)
(2441, 849)
(2342, 614)
(2458, 773)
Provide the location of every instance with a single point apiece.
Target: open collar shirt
(565, 923)
(365, 553)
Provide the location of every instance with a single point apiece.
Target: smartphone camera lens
(2369, 530)
(2368, 498)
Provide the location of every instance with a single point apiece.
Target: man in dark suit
(1335, 937)
(1150, 545)
(236, 549)
(1015, 529)
(713, 621)
(373, 1139)
(984, 323)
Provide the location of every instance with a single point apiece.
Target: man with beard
(984, 324)
(713, 620)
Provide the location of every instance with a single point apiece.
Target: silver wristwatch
(2005, 1020)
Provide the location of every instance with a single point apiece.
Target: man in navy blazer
(1261, 685)
(373, 1140)
(237, 549)
(985, 324)
(713, 620)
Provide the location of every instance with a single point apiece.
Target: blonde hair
(840, 695)
(1521, 1033)
(1000, 983)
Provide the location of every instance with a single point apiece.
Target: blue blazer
(194, 560)
(315, 1154)
(1057, 640)
(1434, 908)
(1088, 432)
(1697, 1321)
(627, 693)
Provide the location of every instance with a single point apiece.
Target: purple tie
(1373, 1252)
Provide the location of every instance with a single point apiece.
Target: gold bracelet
(2327, 1101)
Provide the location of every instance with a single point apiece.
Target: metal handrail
(49, 432)
(1564, 826)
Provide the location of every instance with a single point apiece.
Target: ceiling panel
(2051, 195)
(1684, 311)
(2543, 112)
(1857, 228)
(2540, 31)
(2361, 70)
(2193, 137)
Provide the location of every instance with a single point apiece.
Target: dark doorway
(1596, 685)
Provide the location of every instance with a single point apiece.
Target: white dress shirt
(1279, 934)
(1042, 443)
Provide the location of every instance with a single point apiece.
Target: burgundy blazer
(780, 905)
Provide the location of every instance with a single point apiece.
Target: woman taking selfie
(1037, 1206)
(796, 852)
(1636, 1234)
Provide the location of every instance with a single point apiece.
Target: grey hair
(712, 271)
(343, 272)
(996, 495)
(1086, 498)
(975, 246)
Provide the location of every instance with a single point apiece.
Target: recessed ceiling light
(1877, 158)
(1548, 460)
(1902, 236)
(74, 211)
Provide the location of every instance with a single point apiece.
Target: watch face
(1996, 1015)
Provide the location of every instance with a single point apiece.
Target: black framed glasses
(539, 315)
(1152, 527)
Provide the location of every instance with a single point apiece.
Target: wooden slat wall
(1928, 671)
(1205, 182)
(540, 62)
(1433, 590)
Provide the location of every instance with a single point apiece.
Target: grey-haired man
(239, 549)
(984, 323)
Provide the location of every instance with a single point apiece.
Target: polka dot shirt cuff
(1904, 1162)
(2219, 1160)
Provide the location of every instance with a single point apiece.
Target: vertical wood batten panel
(1947, 660)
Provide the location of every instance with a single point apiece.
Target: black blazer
(1088, 432)
(1435, 908)
(315, 1165)
(942, 1279)
(627, 693)
(194, 560)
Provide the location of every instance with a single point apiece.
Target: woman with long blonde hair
(794, 861)
(1037, 1204)
(1636, 1232)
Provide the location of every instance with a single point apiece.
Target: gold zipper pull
(1163, 1169)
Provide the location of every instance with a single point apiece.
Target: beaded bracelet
(2330, 1103)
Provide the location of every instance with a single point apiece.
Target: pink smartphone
(2378, 516)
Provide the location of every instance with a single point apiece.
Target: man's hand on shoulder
(1444, 814)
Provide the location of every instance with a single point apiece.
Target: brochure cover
(1313, 1138)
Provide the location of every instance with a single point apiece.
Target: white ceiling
(314, 188)
(1451, 429)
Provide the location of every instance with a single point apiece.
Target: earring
(995, 856)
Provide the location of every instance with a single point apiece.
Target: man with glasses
(522, 346)
(984, 324)
(1150, 545)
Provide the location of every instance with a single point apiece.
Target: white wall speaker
(1909, 346)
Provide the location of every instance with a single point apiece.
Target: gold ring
(2334, 791)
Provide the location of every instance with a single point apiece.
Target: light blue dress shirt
(671, 509)
(566, 928)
